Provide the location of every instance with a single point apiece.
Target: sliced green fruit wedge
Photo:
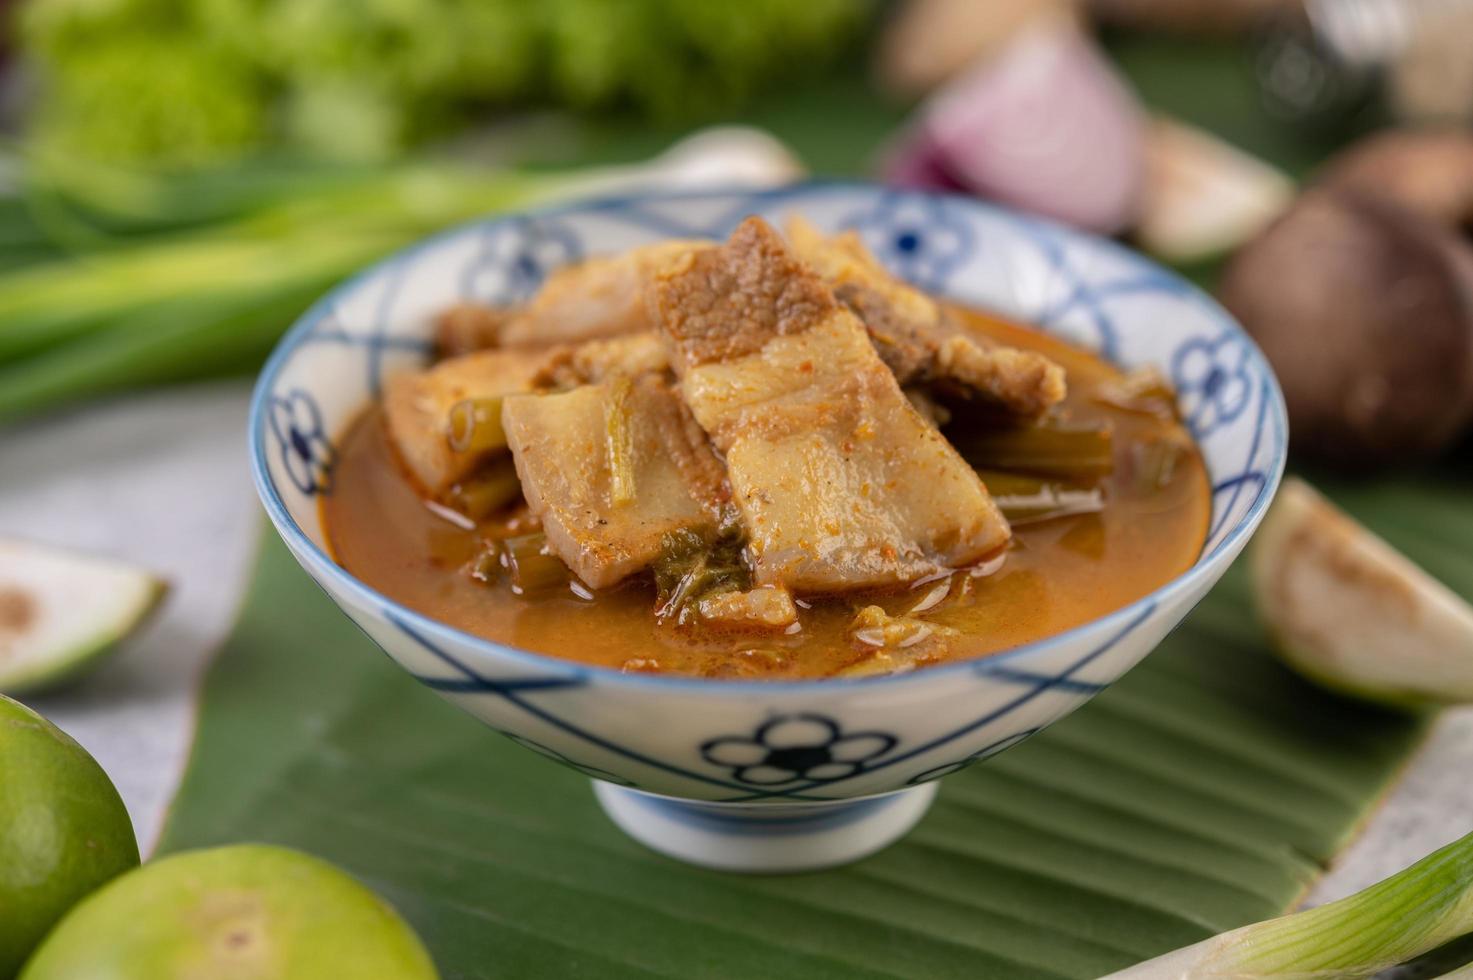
(61, 611)
(1203, 197)
(1351, 612)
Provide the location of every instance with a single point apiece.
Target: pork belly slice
(913, 334)
(598, 297)
(417, 404)
(468, 327)
(417, 409)
(840, 483)
(631, 356)
(1022, 382)
(561, 446)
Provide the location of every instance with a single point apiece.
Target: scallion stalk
(1031, 500)
(1081, 452)
(474, 426)
(486, 491)
(111, 279)
(619, 442)
(532, 566)
(186, 338)
(210, 301)
(1396, 920)
(46, 304)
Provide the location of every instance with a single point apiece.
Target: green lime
(61, 612)
(63, 829)
(244, 912)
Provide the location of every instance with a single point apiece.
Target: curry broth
(1057, 574)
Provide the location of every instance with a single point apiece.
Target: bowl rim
(1207, 566)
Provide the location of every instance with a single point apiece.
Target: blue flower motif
(793, 747)
(1213, 381)
(556, 756)
(987, 753)
(915, 237)
(306, 454)
(515, 257)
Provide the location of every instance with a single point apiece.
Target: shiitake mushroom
(1427, 170)
(1365, 308)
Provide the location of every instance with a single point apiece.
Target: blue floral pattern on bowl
(918, 237)
(796, 747)
(307, 454)
(514, 258)
(743, 747)
(1214, 381)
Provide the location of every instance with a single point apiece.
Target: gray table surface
(161, 479)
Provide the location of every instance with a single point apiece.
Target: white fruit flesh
(59, 611)
(1202, 196)
(1351, 612)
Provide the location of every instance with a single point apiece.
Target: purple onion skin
(1046, 126)
(916, 162)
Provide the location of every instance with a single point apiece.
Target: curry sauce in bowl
(767, 458)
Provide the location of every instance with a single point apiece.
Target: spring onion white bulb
(1396, 920)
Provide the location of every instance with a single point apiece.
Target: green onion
(474, 426)
(487, 490)
(174, 340)
(85, 308)
(1399, 919)
(1031, 500)
(1080, 452)
(485, 565)
(112, 278)
(533, 568)
(619, 442)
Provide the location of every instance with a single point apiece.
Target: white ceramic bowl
(774, 775)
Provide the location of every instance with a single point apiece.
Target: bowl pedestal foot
(764, 838)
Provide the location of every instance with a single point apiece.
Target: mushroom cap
(1427, 170)
(1365, 309)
